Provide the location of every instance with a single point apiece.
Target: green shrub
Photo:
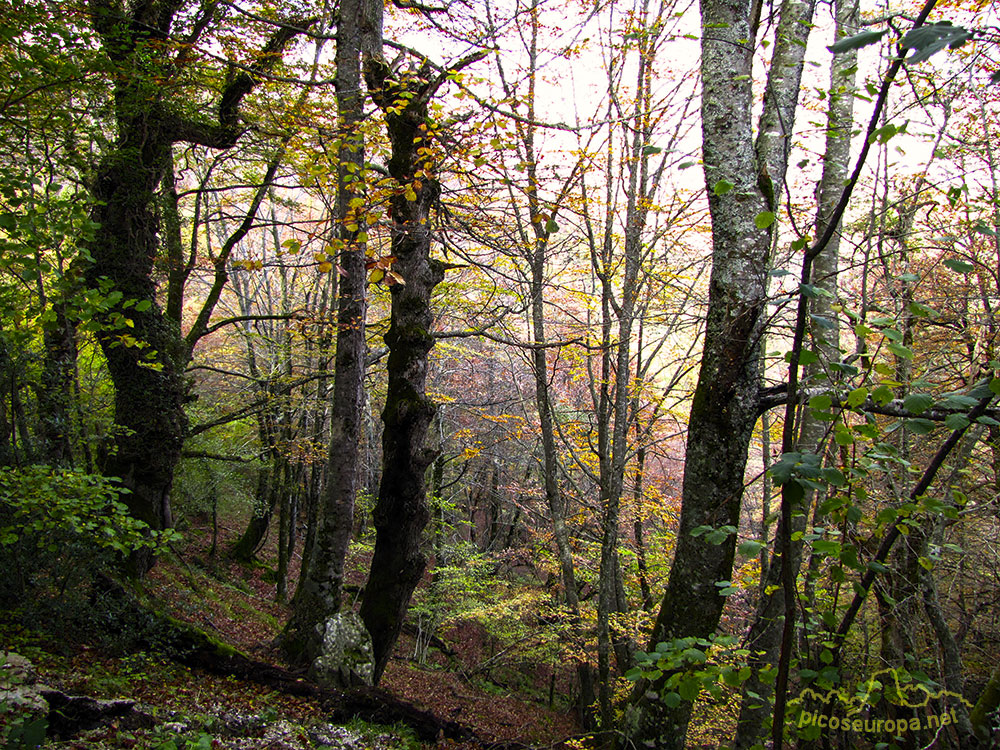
(60, 528)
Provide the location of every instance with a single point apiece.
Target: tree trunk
(764, 639)
(321, 592)
(55, 393)
(401, 511)
(740, 180)
(144, 350)
(256, 530)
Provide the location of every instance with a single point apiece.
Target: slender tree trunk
(256, 530)
(764, 639)
(401, 512)
(55, 392)
(359, 31)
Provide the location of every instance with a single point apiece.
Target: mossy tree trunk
(741, 174)
(359, 31)
(401, 511)
(144, 349)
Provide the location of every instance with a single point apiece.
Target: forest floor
(236, 604)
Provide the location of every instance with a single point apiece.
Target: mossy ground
(233, 605)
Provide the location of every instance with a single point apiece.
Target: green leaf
(551, 227)
(764, 219)
(782, 470)
(722, 187)
(899, 350)
(932, 38)
(885, 133)
(882, 395)
(918, 403)
(689, 688)
(958, 266)
(919, 426)
(806, 357)
(857, 397)
(956, 422)
(651, 150)
(857, 41)
(821, 401)
(957, 401)
(920, 310)
(826, 547)
(719, 535)
(822, 322)
(834, 476)
(749, 548)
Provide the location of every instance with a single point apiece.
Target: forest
(586, 374)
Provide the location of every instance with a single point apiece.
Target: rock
(345, 658)
(340, 738)
(25, 718)
(333, 737)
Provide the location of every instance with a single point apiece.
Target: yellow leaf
(377, 275)
(325, 267)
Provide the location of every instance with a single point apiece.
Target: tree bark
(764, 639)
(401, 511)
(320, 595)
(144, 349)
(740, 177)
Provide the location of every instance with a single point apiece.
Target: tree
(740, 176)
(765, 634)
(401, 510)
(359, 37)
(146, 361)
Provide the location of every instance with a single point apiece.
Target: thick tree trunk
(144, 351)
(740, 177)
